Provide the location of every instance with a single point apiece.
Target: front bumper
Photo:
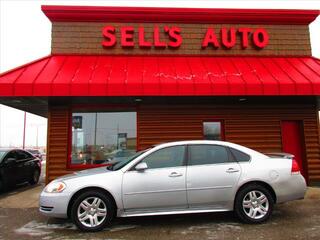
(54, 204)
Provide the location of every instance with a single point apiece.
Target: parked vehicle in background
(36, 153)
(175, 178)
(18, 166)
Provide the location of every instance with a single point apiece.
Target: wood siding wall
(257, 127)
(57, 152)
(86, 38)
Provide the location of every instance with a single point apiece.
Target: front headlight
(55, 187)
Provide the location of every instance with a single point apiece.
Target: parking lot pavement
(293, 220)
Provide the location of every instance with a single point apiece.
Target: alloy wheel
(92, 211)
(255, 204)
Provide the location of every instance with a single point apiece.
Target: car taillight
(295, 169)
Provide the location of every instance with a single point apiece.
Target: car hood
(84, 173)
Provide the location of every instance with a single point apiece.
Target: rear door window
(239, 156)
(207, 154)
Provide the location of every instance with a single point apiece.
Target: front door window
(166, 158)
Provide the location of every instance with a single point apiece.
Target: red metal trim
(137, 126)
(106, 107)
(295, 76)
(24, 65)
(69, 147)
(58, 13)
(84, 166)
(186, 55)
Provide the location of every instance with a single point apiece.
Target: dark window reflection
(165, 158)
(99, 137)
(207, 154)
(212, 130)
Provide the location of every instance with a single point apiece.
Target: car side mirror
(141, 166)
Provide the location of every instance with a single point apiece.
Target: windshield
(2, 153)
(116, 165)
(33, 151)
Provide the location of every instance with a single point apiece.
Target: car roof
(194, 142)
(9, 149)
(213, 142)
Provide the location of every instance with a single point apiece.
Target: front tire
(92, 211)
(253, 204)
(2, 186)
(35, 177)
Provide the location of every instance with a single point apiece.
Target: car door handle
(175, 174)
(232, 170)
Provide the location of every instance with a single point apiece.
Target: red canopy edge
(177, 15)
(92, 75)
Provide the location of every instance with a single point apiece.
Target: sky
(25, 35)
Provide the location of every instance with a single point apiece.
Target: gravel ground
(293, 220)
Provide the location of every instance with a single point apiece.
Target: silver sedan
(177, 178)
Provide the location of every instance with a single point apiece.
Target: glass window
(99, 137)
(207, 154)
(2, 153)
(11, 154)
(239, 156)
(212, 130)
(166, 157)
(118, 165)
(21, 155)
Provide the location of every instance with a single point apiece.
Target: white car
(176, 178)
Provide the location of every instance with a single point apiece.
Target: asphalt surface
(293, 220)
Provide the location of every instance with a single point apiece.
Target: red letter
(156, 38)
(260, 38)
(210, 38)
(175, 37)
(228, 41)
(244, 36)
(108, 33)
(142, 42)
(127, 36)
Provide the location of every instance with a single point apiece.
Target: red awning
(163, 76)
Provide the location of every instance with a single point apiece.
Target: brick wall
(86, 38)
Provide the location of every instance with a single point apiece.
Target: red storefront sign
(229, 37)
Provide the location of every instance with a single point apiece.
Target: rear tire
(92, 211)
(35, 177)
(3, 186)
(253, 204)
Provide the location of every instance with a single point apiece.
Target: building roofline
(59, 13)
